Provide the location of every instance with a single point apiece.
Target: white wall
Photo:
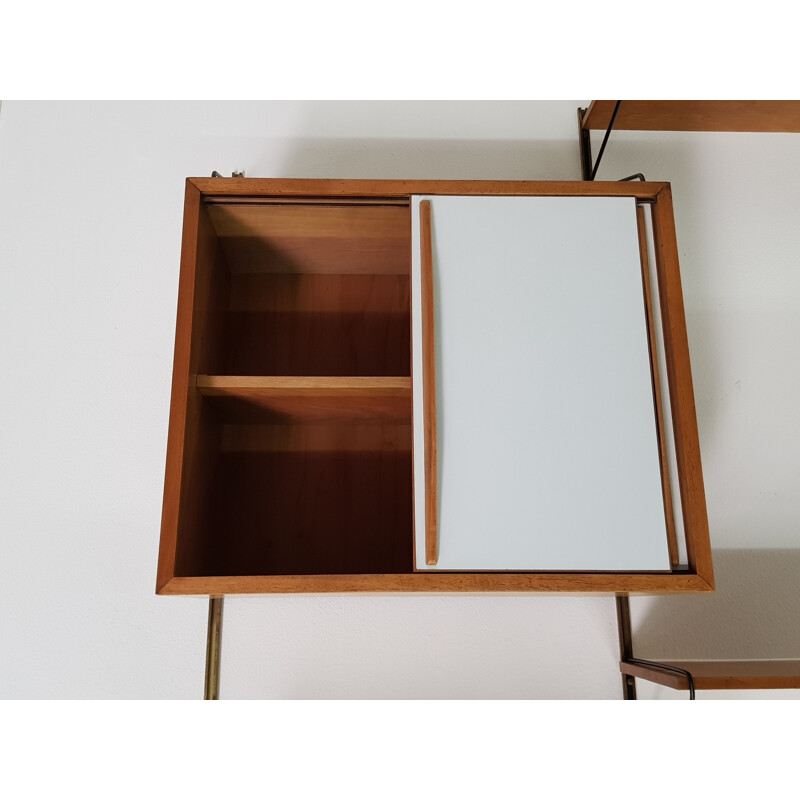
(90, 214)
(737, 209)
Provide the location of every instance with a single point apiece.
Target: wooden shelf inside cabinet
(774, 674)
(307, 399)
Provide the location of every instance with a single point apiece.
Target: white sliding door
(547, 444)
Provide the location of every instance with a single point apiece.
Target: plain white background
(91, 201)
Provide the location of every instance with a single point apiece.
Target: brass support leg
(213, 644)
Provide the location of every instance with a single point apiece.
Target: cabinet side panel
(679, 373)
(193, 430)
(203, 430)
(180, 389)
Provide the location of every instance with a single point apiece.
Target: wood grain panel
(305, 221)
(304, 385)
(282, 200)
(679, 375)
(320, 294)
(322, 325)
(314, 239)
(202, 292)
(669, 516)
(356, 437)
(579, 583)
(323, 344)
(696, 115)
(202, 431)
(176, 437)
(298, 511)
(219, 188)
(301, 399)
(722, 674)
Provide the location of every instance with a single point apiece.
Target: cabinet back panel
(321, 294)
(314, 239)
(306, 343)
(293, 512)
(312, 408)
(281, 324)
(329, 437)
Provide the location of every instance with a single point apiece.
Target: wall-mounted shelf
(768, 674)
(777, 116)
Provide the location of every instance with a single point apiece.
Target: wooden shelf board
(772, 674)
(256, 399)
(577, 583)
(294, 385)
(758, 116)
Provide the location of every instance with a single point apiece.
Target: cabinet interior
(298, 433)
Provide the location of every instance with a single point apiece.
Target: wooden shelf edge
(219, 188)
(753, 116)
(323, 400)
(293, 385)
(577, 583)
(718, 675)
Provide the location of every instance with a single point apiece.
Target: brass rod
(213, 648)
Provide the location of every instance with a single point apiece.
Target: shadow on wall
(422, 159)
(754, 613)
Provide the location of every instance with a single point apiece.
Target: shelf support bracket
(626, 652)
(213, 648)
(585, 143)
(625, 644)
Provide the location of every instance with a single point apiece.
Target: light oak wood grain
(294, 385)
(283, 200)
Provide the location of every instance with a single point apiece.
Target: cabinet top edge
(335, 187)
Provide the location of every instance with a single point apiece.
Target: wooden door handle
(428, 384)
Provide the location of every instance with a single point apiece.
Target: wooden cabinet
(564, 428)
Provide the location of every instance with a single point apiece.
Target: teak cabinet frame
(203, 278)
